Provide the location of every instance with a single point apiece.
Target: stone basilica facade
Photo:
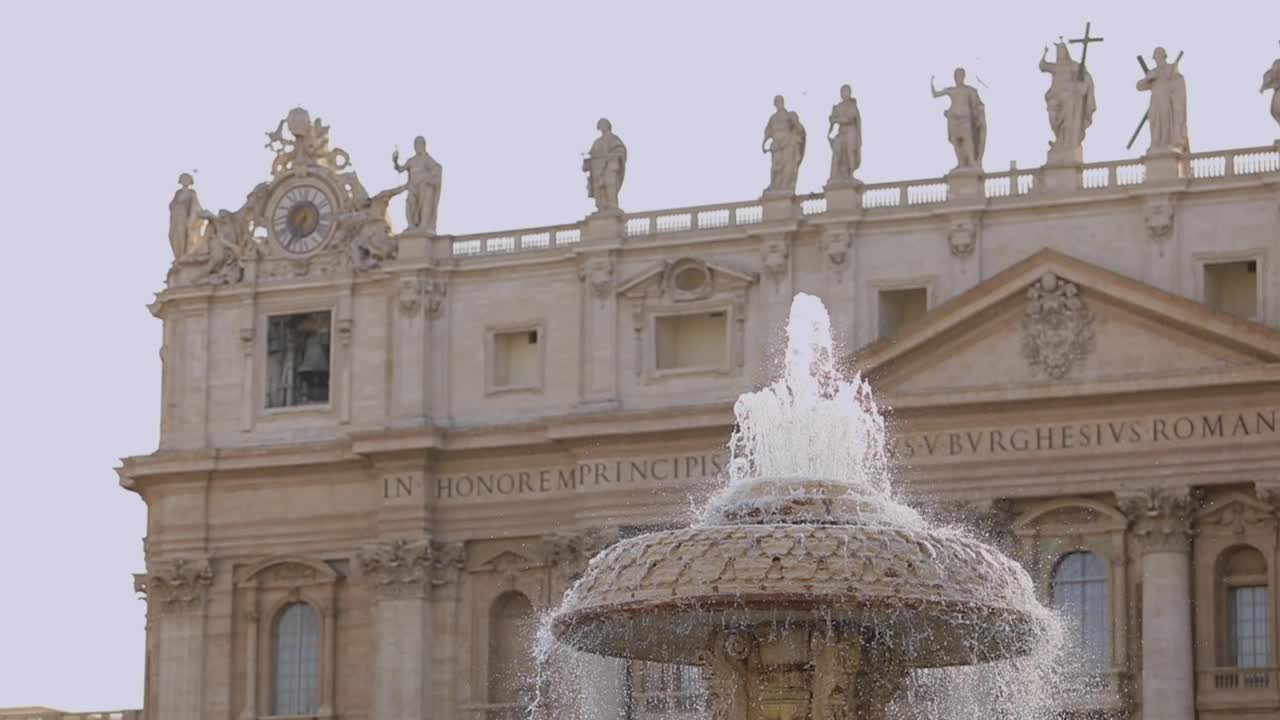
(384, 455)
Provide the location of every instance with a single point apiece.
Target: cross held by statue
(1084, 43)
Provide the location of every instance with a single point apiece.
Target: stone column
(1161, 529)
(397, 572)
(178, 592)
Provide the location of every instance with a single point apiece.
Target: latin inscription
(401, 486)
(1088, 436)
(1099, 436)
(582, 477)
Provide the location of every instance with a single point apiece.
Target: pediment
(1052, 320)
(685, 279)
(288, 570)
(506, 560)
(1234, 514)
(1066, 516)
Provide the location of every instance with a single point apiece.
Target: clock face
(303, 219)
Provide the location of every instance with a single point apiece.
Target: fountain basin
(937, 598)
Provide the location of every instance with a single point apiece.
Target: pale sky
(105, 103)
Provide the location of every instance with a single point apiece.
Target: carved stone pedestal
(605, 226)
(767, 673)
(965, 185)
(844, 197)
(415, 245)
(777, 206)
(1166, 166)
(1059, 178)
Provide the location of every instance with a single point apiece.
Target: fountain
(804, 589)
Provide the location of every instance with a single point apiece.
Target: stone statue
(966, 122)
(308, 146)
(1168, 111)
(370, 230)
(185, 217)
(425, 179)
(845, 134)
(1071, 104)
(228, 238)
(784, 137)
(1271, 81)
(606, 167)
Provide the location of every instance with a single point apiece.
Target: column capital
(569, 552)
(396, 568)
(176, 586)
(1161, 519)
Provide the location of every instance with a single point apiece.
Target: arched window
(510, 644)
(1080, 595)
(295, 660)
(1242, 578)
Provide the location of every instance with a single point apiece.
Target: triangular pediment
(685, 279)
(1052, 321)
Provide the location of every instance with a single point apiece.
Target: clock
(302, 219)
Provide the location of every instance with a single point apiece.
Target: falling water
(813, 422)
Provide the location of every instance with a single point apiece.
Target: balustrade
(1203, 167)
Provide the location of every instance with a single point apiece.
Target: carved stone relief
(598, 275)
(774, 254)
(397, 568)
(962, 237)
(179, 585)
(1057, 327)
(1162, 520)
(1159, 218)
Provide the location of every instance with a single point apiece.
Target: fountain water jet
(803, 588)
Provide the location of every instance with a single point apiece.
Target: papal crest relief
(1057, 328)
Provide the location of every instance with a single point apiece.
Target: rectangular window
(1247, 620)
(899, 308)
(517, 359)
(1232, 287)
(697, 341)
(298, 360)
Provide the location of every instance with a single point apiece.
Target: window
(1080, 595)
(1247, 618)
(1242, 577)
(1232, 287)
(296, 660)
(298, 360)
(696, 341)
(516, 359)
(899, 308)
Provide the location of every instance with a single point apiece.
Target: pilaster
(398, 574)
(599, 334)
(178, 593)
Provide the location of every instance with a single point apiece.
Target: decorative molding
(1161, 520)
(1160, 217)
(174, 586)
(447, 562)
(836, 247)
(568, 553)
(435, 291)
(397, 568)
(1236, 515)
(409, 293)
(962, 236)
(774, 255)
(1057, 327)
(598, 275)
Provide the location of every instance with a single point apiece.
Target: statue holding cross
(1168, 111)
(1070, 100)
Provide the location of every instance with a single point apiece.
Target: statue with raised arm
(606, 168)
(1271, 81)
(425, 179)
(844, 131)
(185, 217)
(966, 122)
(1168, 111)
(1070, 101)
(784, 139)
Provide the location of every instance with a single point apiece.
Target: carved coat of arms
(1057, 328)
